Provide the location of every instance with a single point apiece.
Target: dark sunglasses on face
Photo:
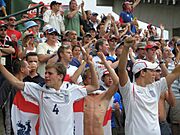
(3, 29)
(12, 19)
(53, 34)
(31, 37)
(25, 17)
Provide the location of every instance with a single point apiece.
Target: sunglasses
(32, 37)
(25, 17)
(3, 29)
(53, 34)
(12, 19)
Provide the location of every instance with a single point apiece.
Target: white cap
(46, 27)
(143, 64)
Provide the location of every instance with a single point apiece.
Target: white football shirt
(56, 107)
(141, 107)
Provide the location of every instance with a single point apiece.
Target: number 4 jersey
(56, 107)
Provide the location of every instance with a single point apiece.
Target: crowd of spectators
(81, 41)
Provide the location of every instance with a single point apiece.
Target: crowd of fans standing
(81, 42)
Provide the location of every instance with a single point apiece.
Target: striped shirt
(176, 84)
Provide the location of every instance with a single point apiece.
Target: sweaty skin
(94, 113)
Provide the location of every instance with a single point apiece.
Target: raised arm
(173, 75)
(122, 73)
(71, 14)
(94, 82)
(136, 3)
(84, 16)
(114, 87)
(78, 72)
(11, 78)
(170, 98)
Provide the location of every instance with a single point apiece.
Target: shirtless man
(96, 104)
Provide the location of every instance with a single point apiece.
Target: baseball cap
(94, 14)
(30, 24)
(46, 27)
(141, 45)
(55, 3)
(149, 46)
(105, 72)
(143, 64)
(52, 30)
(28, 33)
(87, 34)
(3, 24)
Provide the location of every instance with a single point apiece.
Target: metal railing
(167, 2)
(24, 11)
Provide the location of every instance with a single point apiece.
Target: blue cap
(52, 30)
(30, 24)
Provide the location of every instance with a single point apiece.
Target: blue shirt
(2, 3)
(117, 98)
(128, 17)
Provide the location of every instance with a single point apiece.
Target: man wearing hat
(140, 52)
(47, 50)
(31, 26)
(7, 49)
(112, 46)
(141, 97)
(94, 20)
(126, 17)
(150, 50)
(45, 30)
(54, 17)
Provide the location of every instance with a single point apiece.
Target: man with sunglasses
(7, 49)
(47, 50)
(11, 31)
